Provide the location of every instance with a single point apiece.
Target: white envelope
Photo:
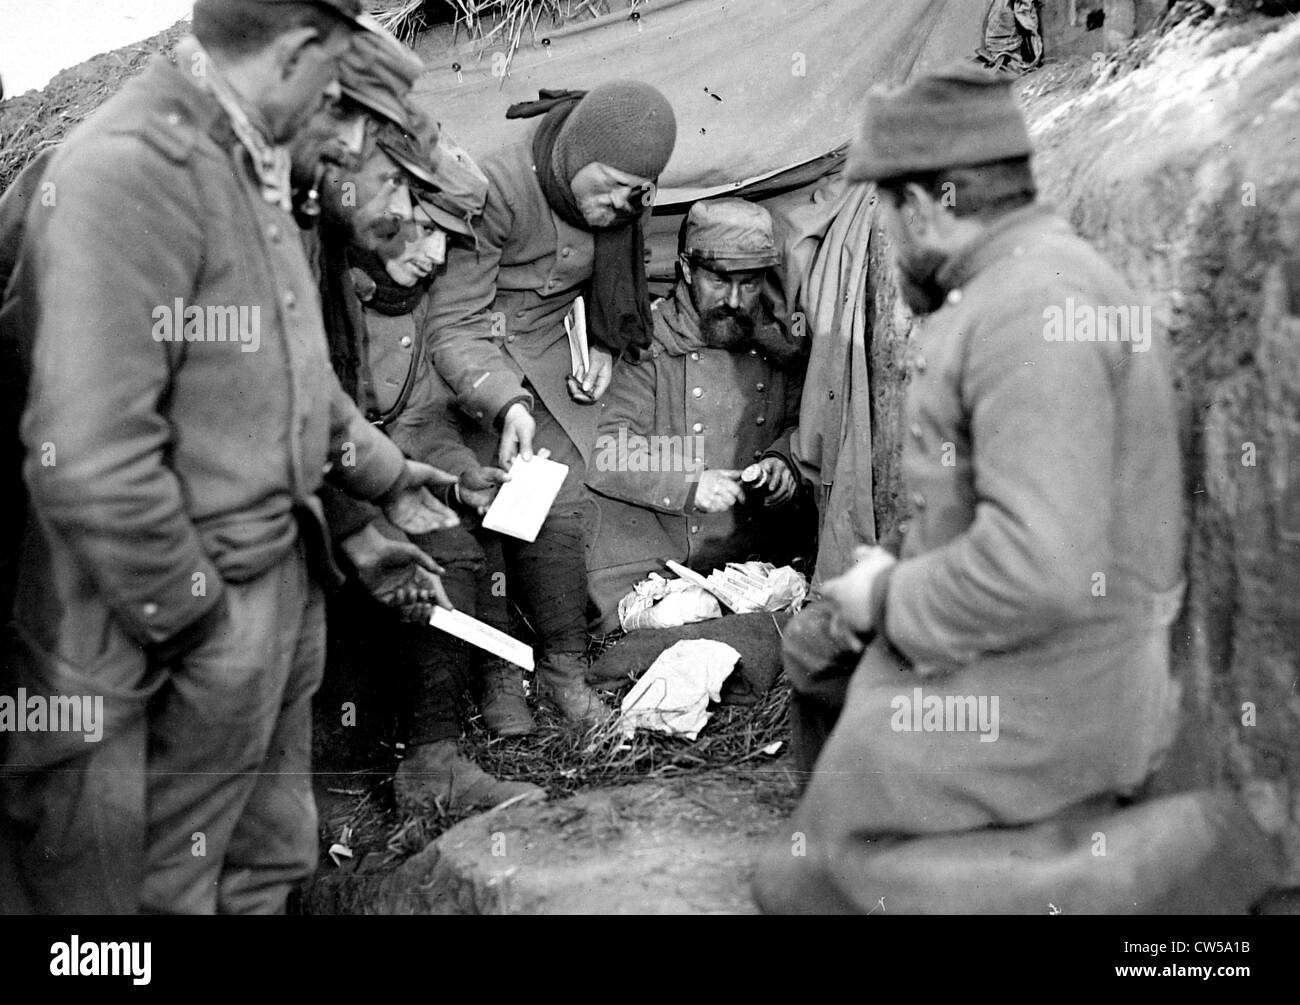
(522, 503)
(476, 633)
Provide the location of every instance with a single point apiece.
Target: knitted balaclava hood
(625, 124)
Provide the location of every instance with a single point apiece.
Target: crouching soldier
(718, 393)
(1017, 650)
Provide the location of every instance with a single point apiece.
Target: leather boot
(561, 685)
(437, 772)
(504, 708)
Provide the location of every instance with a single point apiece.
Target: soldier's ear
(685, 264)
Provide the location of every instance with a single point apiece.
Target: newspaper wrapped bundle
(748, 587)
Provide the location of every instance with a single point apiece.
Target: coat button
(173, 119)
(832, 394)
(405, 341)
(918, 500)
(273, 232)
(695, 356)
(697, 392)
(290, 301)
(695, 528)
(668, 501)
(954, 297)
(758, 455)
(915, 430)
(760, 420)
(566, 252)
(510, 337)
(697, 428)
(760, 386)
(753, 352)
(519, 314)
(327, 467)
(920, 364)
(149, 610)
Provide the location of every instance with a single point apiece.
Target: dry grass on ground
(563, 761)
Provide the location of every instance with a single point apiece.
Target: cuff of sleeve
(381, 471)
(689, 505)
(171, 611)
(500, 419)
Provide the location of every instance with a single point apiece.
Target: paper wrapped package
(673, 695)
(656, 602)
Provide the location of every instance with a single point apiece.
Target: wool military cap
(377, 72)
(625, 124)
(955, 118)
(459, 188)
(349, 10)
(731, 233)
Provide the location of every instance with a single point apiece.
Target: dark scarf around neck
(384, 295)
(618, 308)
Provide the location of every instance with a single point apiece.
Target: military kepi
(958, 117)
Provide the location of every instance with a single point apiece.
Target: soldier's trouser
(439, 667)
(548, 577)
(202, 803)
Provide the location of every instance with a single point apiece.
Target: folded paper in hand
(575, 324)
(476, 633)
(522, 503)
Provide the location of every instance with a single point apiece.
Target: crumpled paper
(656, 602)
(673, 695)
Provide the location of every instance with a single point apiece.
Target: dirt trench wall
(1185, 172)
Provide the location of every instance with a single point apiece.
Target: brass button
(832, 394)
(915, 430)
(758, 455)
(566, 252)
(273, 232)
(918, 500)
(173, 118)
(697, 428)
(695, 528)
(954, 297)
(920, 364)
(149, 610)
(695, 355)
(290, 301)
(697, 392)
(668, 500)
(760, 386)
(753, 352)
(760, 420)
(405, 341)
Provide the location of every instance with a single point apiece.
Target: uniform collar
(271, 161)
(1000, 240)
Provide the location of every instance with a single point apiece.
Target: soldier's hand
(517, 431)
(718, 491)
(777, 475)
(479, 486)
(588, 386)
(849, 595)
(411, 507)
(395, 572)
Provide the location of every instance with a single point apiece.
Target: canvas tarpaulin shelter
(767, 94)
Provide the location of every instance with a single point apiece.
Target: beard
(723, 327)
(917, 284)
